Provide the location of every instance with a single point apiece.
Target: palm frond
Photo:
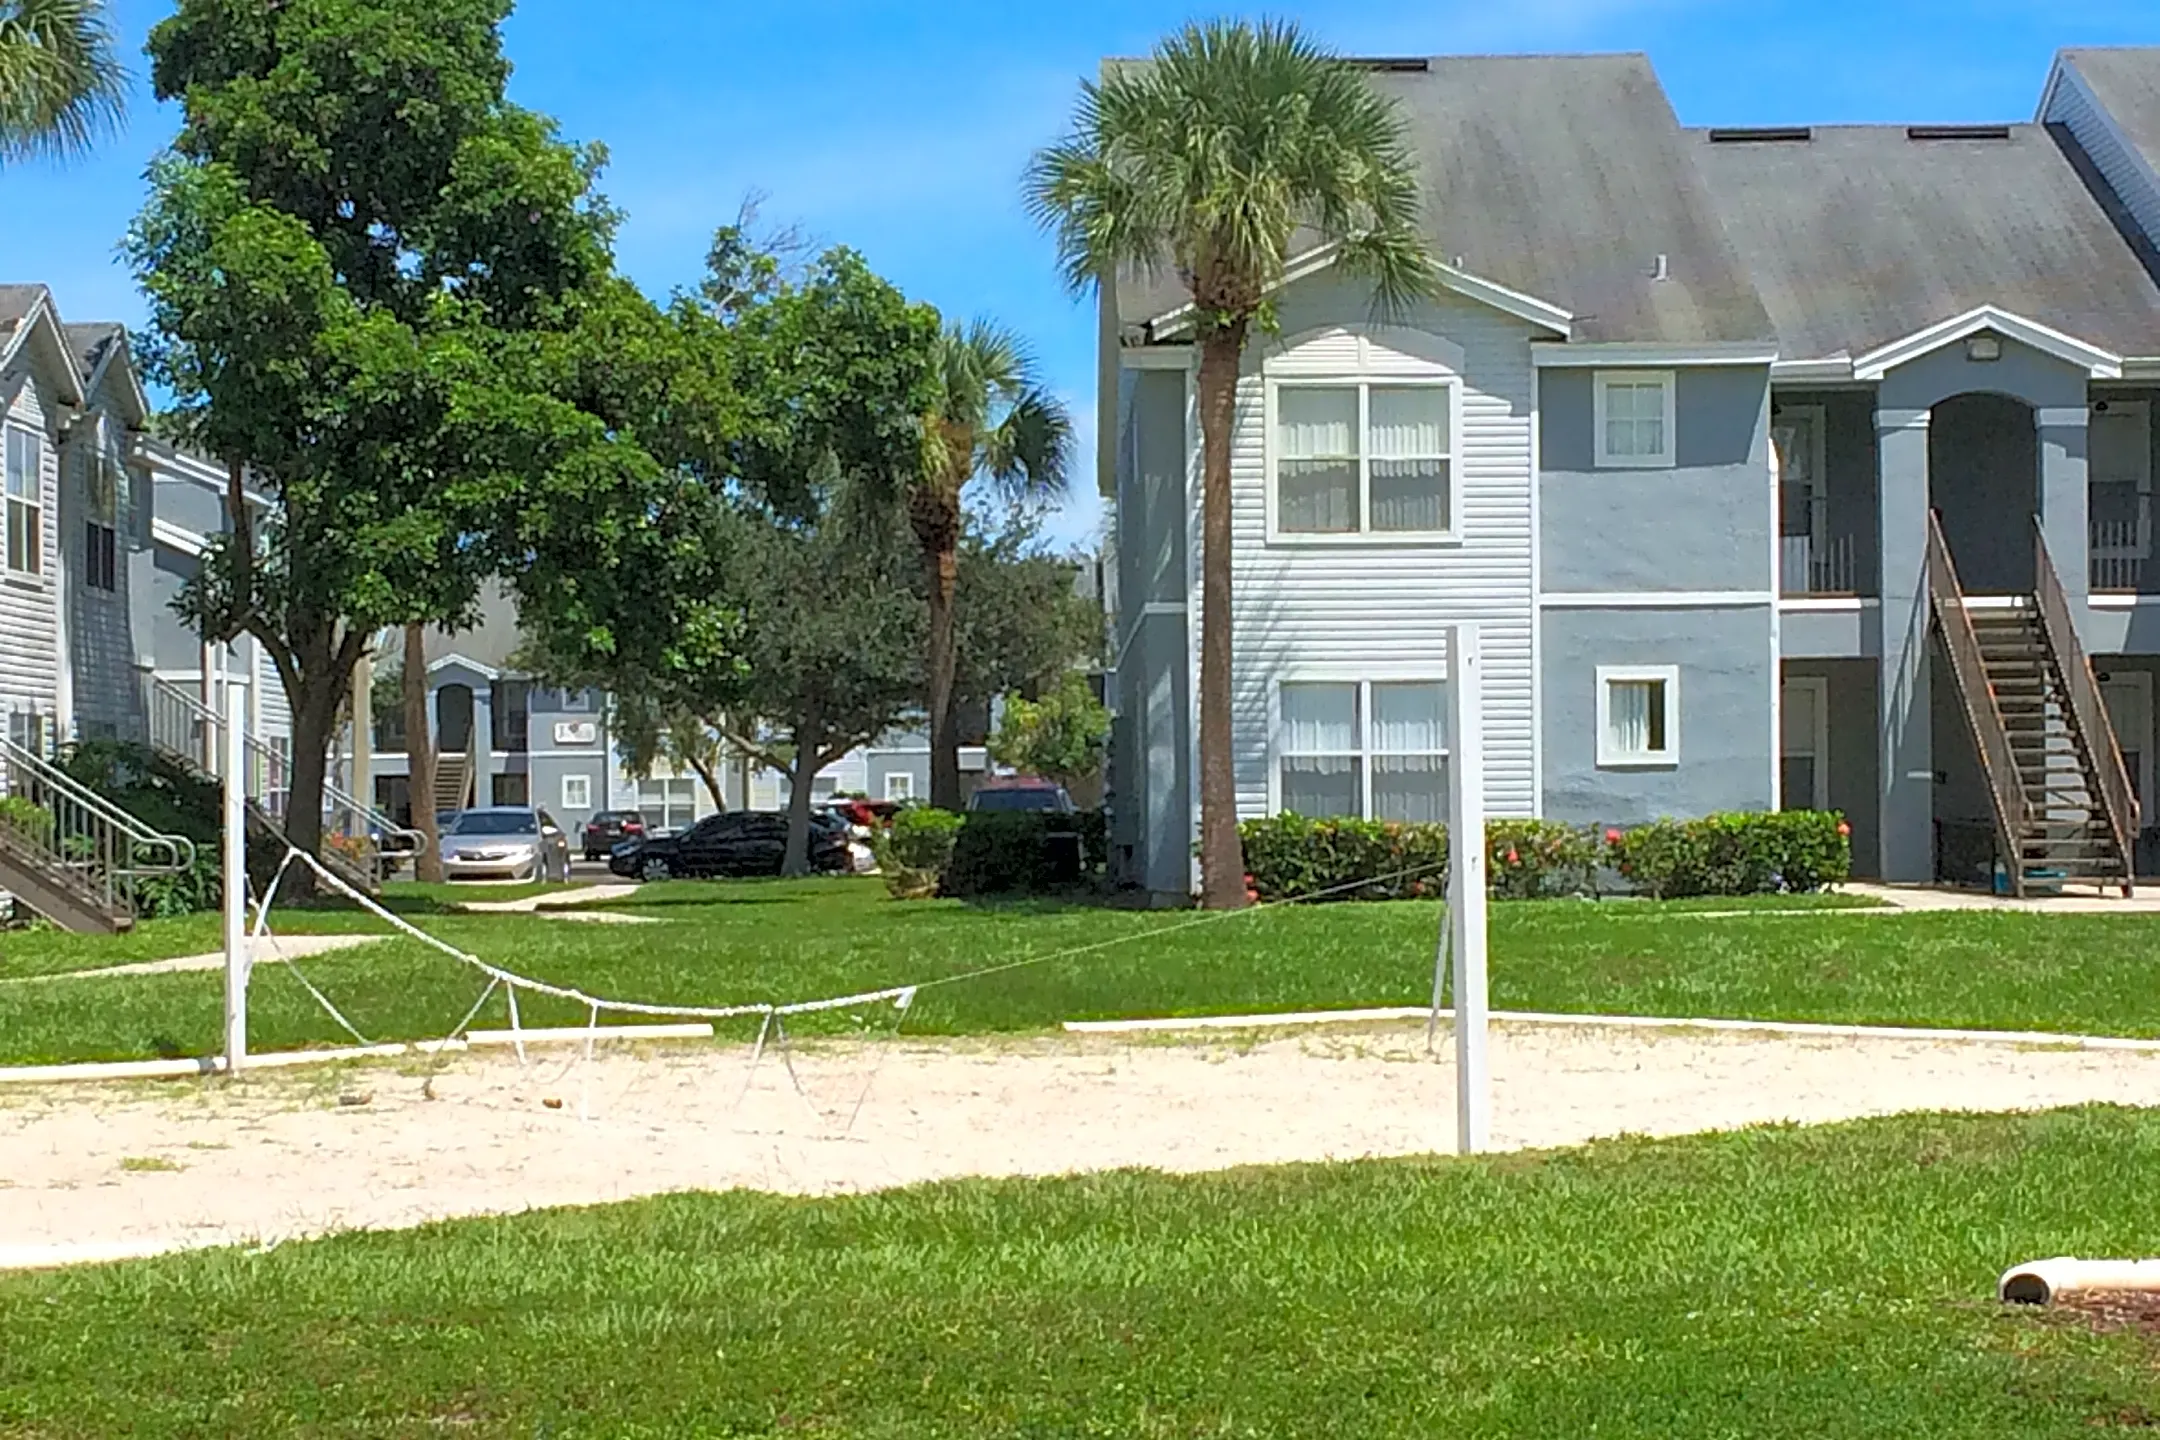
(1030, 453)
(61, 82)
(1236, 146)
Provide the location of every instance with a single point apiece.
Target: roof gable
(32, 329)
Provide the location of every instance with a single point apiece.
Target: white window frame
(1364, 680)
(1364, 382)
(577, 792)
(1609, 758)
(1602, 384)
(10, 503)
(899, 785)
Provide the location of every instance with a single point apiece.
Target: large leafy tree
(991, 418)
(1021, 618)
(1234, 143)
(365, 268)
(61, 82)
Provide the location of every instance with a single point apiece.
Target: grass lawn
(1827, 1282)
(724, 943)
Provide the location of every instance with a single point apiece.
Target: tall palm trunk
(935, 515)
(420, 755)
(1222, 857)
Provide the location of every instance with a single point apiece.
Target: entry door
(2130, 710)
(2119, 493)
(1804, 747)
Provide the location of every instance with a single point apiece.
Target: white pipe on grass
(2042, 1282)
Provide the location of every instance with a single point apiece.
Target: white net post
(1466, 887)
(236, 963)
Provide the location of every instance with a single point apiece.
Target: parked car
(610, 828)
(505, 842)
(869, 814)
(1022, 792)
(736, 843)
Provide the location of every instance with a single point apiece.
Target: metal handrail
(1969, 669)
(2095, 730)
(206, 730)
(94, 843)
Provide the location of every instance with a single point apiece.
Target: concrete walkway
(555, 902)
(2081, 901)
(269, 949)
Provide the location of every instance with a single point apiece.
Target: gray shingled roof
(2126, 82)
(16, 301)
(1563, 177)
(1862, 235)
(88, 343)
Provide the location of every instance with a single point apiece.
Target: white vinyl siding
(30, 634)
(1634, 419)
(2131, 176)
(1374, 609)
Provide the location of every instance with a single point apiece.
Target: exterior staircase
(72, 855)
(453, 782)
(185, 729)
(2061, 798)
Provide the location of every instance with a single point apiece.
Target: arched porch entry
(453, 719)
(1984, 483)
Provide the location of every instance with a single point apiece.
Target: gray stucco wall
(1725, 740)
(1702, 525)
(1150, 778)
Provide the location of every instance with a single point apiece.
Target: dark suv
(738, 842)
(610, 828)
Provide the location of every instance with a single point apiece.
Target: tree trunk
(420, 756)
(943, 567)
(809, 740)
(711, 777)
(1222, 857)
(314, 718)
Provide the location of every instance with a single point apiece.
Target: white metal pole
(1466, 867)
(236, 965)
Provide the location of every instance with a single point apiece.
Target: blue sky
(902, 128)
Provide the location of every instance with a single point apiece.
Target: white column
(236, 960)
(1466, 886)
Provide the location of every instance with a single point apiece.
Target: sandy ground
(97, 1172)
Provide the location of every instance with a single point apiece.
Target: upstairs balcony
(1816, 554)
(2120, 537)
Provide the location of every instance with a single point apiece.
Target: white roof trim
(2099, 363)
(134, 392)
(1462, 282)
(42, 317)
(1833, 368)
(177, 536)
(486, 672)
(1620, 354)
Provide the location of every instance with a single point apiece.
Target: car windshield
(496, 822)
(1016, 797)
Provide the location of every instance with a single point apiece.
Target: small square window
(1633, 418)
(1638, 716)
(899, 785)
(577, 792)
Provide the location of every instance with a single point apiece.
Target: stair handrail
(1968, 668)
(408, 840)
(2088, 709)
(90, 837)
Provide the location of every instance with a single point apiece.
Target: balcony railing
(2118, 551)
(1807, 566)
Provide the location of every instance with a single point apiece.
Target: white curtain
(1409, 718)
(1632, 722)
(1321, 788)
(1635, 418)
(1316, 452)
(1409, 464)
(1319, 719)
(1410, 788)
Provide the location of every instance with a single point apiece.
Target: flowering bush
(1743, 853)
(1527, 859)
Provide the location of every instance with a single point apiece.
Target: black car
(610, 828)
(738, 843)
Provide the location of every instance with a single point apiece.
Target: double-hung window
(1369, 748)
(1638, 716)
(101, 515)
(25, 501)
(1364, 457)
(1633, 417)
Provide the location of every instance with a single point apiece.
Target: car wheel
(656, 868)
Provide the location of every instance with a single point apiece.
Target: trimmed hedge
(1289, 857)
(1000, 852)
(914, 851)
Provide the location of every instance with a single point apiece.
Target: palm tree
(1235, 141)
(61, 83)
(992, 418)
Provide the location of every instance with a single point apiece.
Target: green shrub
(1094, 841)
(1532, 859)
(915, 850)
(27, 818)
(1740, 853)
(1289, 857)
(1002, 852)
